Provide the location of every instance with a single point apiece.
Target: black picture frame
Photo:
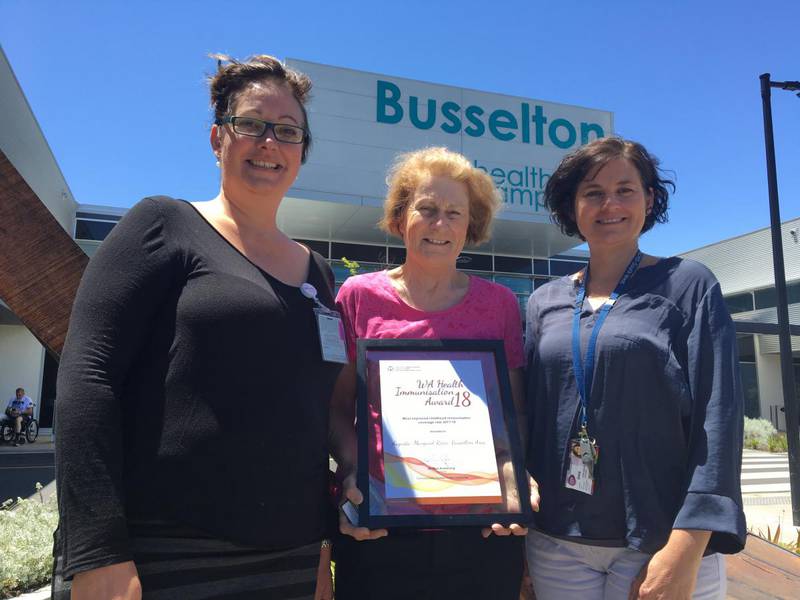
(378, 511)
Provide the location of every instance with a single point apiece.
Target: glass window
(358, 252)
(747, 348)
(522, 299)
(570, 257)
(512, 264)
(475, 262)
(397, 256)
(541, 267)
(97, 217)
(739, 302)
(752, 407)
(793, 292)
(92, 230)
(47, 397)
(316, 246)
(766, 298)
(340, 272)
(518, 285)
(486, 276)
(539, 282)
(560, 268)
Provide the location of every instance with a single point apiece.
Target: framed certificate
(437, 435)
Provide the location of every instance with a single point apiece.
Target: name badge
(331, 336)
(580, 468)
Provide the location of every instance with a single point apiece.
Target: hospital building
(360, 122)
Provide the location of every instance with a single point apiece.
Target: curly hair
(233, 77)
(412, 168)
(561, 188)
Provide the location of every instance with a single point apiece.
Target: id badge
(331, 336)
(580, 472)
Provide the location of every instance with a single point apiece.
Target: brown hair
(559, 194)
(233, 77)
(413, 167)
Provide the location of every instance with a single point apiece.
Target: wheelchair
(28, 432)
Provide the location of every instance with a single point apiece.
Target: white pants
(562, 570)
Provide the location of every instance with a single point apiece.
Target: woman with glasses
(634, 400)
(192, 410)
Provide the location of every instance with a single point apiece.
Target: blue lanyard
(584, 378)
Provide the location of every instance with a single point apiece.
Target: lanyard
(584, 378)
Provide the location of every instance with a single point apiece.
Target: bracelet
(325, 544)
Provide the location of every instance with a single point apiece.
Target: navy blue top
(665, 407)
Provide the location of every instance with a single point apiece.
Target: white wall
(21, 362)
(745, 262)
(23, 142)
(770, 392)
(354, 145)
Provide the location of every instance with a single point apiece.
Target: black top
(665, 407)
(191, 389)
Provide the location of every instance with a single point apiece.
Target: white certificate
(437, 434)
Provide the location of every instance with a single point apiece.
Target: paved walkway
(765, 472)
(767, 505)
(766, 494)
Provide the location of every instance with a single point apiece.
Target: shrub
(757, 433)
(26, 544)
(778, 442)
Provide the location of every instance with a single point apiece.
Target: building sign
(502, 124)
(361, 121)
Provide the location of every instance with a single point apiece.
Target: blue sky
(118, 87)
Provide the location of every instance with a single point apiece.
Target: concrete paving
(21, 467)
(766, 495)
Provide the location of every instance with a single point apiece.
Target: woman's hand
(353, 494)
(672, 572)
(324, 589)
(514, 528)
(343, 446)
(114, 582)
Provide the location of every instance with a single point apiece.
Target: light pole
(787, 372)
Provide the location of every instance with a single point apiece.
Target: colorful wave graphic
(430, 480)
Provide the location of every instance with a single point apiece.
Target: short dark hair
(233, 77)
(561, 188)
(19, 390)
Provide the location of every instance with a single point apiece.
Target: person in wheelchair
(19, 408)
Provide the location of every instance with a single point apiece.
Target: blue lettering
(530, 124)
(477, 127)
(449, 110)
(553, 133)
(515, 174)
(588, 127)
(498, 175)
(502, 119)
(413, 113)
(526, 122)
(539, 203)
(539, 120)
(543, 178)
(388, 96)
(523, 195)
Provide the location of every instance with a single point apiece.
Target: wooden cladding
(40, 264)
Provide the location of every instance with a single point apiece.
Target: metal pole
(787, 372)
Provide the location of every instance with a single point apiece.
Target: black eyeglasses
(250, 126)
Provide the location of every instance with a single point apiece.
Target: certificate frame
(381, 506)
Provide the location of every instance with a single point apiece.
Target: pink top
(372, 308)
